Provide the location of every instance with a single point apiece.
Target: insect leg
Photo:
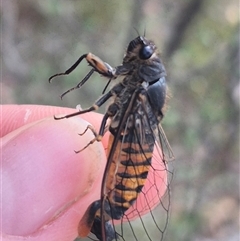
(68, 71)
(106, 86)
(98, 65)
(91, 128)
(95, 106)
(98, 137)
(80, 84)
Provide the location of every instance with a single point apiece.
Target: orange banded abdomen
(127, 173)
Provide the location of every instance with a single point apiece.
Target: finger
(46, 185)
(15, 116)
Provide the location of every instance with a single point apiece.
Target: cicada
(132, 171)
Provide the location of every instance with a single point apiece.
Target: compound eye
(146, 52)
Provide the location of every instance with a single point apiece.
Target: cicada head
(140, 48)
(143, 57)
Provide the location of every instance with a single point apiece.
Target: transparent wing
(144, 146)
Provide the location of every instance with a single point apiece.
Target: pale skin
(46, 186)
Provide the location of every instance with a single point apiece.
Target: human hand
(46, 186)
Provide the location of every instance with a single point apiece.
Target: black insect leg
(68, 71)
(95, 106)
(80, 84)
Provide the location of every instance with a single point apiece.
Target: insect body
(135, 115)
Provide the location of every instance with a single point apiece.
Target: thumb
(46, 186)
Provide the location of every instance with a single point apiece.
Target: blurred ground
(199, 42)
